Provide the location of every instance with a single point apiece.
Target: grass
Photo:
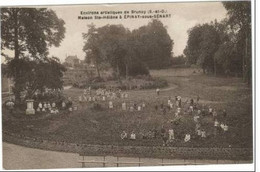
(104, 126)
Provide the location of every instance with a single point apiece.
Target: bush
(138, 82)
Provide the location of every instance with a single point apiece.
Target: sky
(183, 17)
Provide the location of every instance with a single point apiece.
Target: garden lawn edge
(132, 151)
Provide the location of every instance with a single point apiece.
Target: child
(110, 105)
(123, 106)
(171, 135)
(187, 137)
(157, 91)
(123, 135)
(203, 134)
(132, 136)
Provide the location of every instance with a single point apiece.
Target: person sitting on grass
(110, 105)
(139, 108)
(10, 105)
(171, 105)
(198, 132)
(216, 127)
(40, 105)
(158, 91)
(196, 118)
(203, 133)
(80, 99)
(123, 106)
(210, 111)
(132, 136)
(171, 135)
(169, 101)
(178, 110)
(123, 135)
(143, 105)
(187, 137)
(225, 128)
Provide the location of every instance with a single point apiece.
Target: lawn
(104, 126)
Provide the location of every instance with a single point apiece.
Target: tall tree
(239, 18)
(154, 45)
(91, 47)
(29, 31)
(203, 42)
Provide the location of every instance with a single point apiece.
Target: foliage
(128, 53)
(179, 60)
(28, 32)
(202, 44)
(239, 19)
(153, 45)
(223, 47)
(36, 75)
(138, 82)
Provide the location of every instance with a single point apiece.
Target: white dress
(187, 138)
(171, 134)
(110, 105)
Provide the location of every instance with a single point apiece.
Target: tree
(192, 50)
(29, 31)
(203, 42)
(153, 45)
(91, 47)
(239, 18)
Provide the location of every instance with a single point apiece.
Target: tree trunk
(215, 67)
(126, 71)
(98, 71)
(118, 73)
(17, 88)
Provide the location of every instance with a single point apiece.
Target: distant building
(77, 70)
(72, 61)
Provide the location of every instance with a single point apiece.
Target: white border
(249, 167)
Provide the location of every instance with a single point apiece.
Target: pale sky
(183, 17)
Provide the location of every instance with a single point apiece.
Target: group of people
(53, 108)
(187, 109)
(101, 95)
(191, 108)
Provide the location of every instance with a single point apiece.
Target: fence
(155, 162)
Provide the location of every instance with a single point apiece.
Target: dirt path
(19, 157)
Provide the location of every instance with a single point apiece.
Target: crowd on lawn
(176, 106)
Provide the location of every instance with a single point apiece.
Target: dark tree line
(223, 47)
(128, 53)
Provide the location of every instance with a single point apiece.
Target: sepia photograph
(127, 85)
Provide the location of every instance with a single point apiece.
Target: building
(72, 61)
(77, 71)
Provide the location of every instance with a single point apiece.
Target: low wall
(132, 151)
